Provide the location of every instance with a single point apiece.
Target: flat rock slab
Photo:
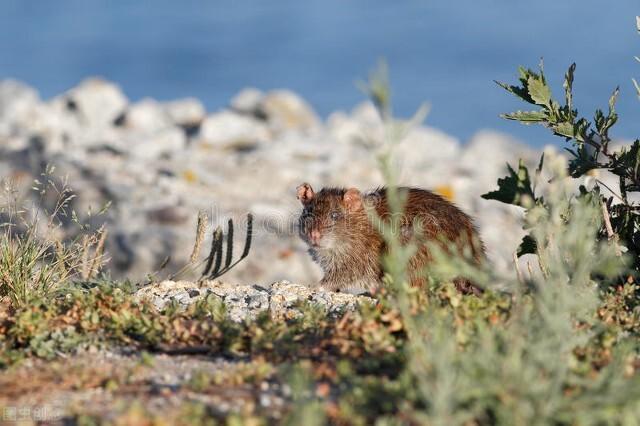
(281, 299)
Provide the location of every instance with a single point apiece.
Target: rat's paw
(332, 286)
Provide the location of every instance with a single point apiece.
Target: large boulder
(286, 111)
(16, 99)
(283, 110)
(227, 129)
(95, 102)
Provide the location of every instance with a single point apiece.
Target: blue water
(444, 52)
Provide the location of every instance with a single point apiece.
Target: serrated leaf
(526, 116)
(527, 246)
(539, 91)
(524, 73)
(515, 90)
(564, 129)
(513, 189)
(628, 159)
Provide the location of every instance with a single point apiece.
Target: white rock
(362, 126)
(287, 111)
(154, 145)
(367, 114)
(16, 99)
(230, 130)
(426, 156)
(488, 152)
(242, 302)
(147, 115)
(247, 101)
(185, 112)
(95, 101)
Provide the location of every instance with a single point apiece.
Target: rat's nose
(314, 236)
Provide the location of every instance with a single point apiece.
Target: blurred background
(446, 53)
(173, 128)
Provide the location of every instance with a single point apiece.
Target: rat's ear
(305, 193)
(352, 199)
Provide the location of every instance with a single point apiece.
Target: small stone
(173, 215)
(246, 302)
(248, 101)
(187, 112)
(147, 115)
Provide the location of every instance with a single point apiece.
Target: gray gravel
(282, 299)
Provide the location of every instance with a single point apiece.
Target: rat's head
(330, 216)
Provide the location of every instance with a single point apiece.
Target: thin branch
(517, 266)
(613, 238)
(599, 182)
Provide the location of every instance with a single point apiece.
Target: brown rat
(347, 246)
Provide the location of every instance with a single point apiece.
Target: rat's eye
(335, 215)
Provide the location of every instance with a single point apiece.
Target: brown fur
(335, 225)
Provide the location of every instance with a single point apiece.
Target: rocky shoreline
(244, 302)
(159, 163)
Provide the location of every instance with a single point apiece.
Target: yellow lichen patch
(190, 176)
(446, 191)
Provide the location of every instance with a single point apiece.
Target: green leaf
(527, 246)
(628, 161)
(582, 163)
(526, 116)
(539, 91)
(517, 91)
(513, 189)
(564, 129)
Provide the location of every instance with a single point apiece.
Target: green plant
(590, 149)
(526, 370)
(34, 259)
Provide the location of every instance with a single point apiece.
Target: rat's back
(438, 220)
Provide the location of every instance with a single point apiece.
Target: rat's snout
(315, 236)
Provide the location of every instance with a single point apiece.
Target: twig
(518, 272)
(530, 269)
(201, 229)
(610, 234)
(97, 261)
(599, 182)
